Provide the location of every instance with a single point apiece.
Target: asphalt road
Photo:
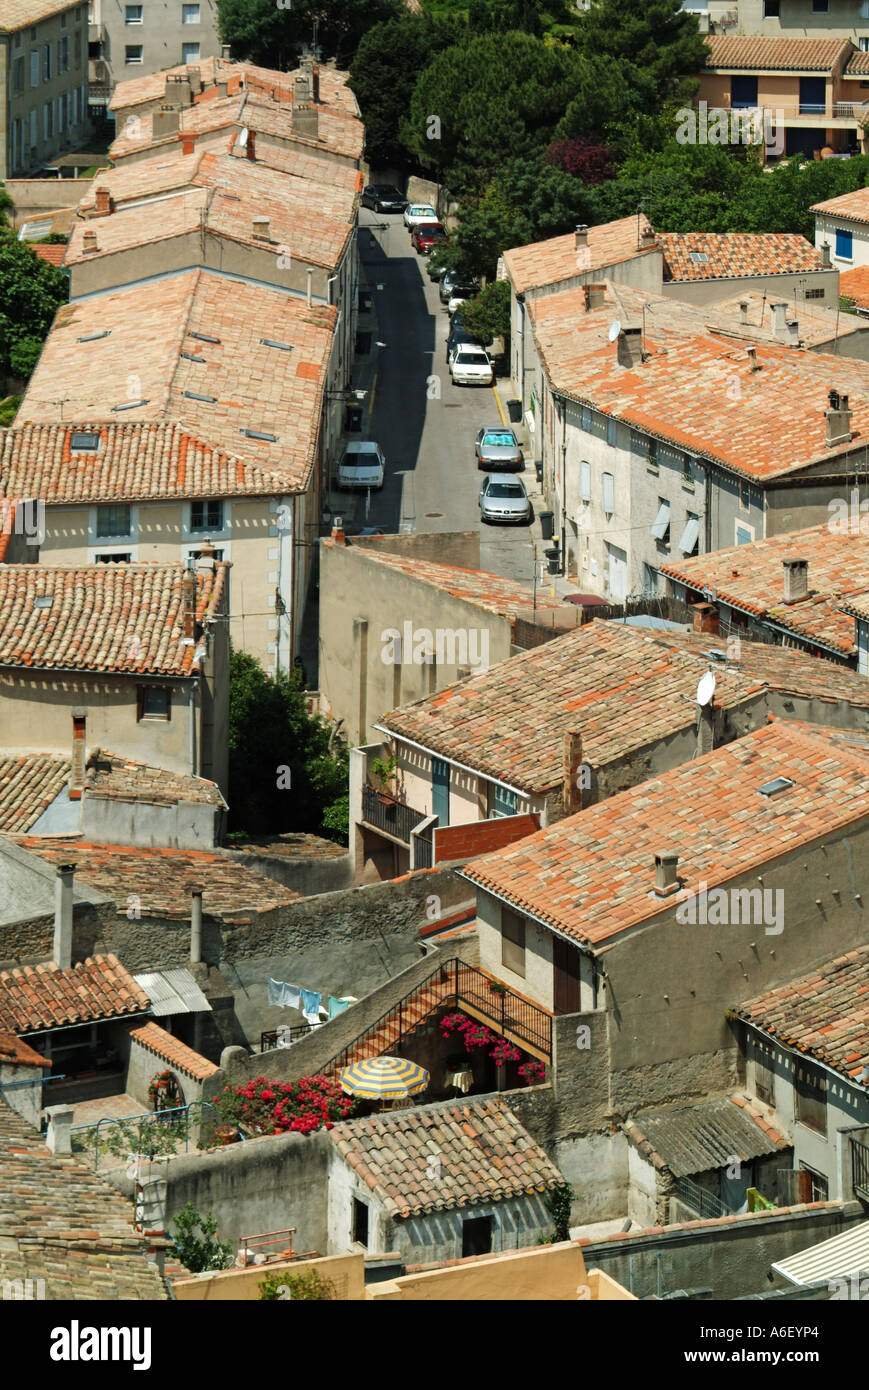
(424, 424)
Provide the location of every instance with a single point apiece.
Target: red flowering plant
(278, 1107)
(532, 1072)
(503, 1052)
(476, 1035)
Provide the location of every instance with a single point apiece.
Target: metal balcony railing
(860, 1168)
(387, 813)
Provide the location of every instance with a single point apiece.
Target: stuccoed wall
(26, 1101)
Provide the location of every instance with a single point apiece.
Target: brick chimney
(78, 758)
(629, 347)
(705, 618)
(595, 296)
(89, 242)
(666, 878)
(571, 790)
(796, 580)
(188, 144)
(188, 603)
(306, 120)
(63, 892)
(261, 228)
(338, 537)
(580, 236)
(104, 202)
(838, 418)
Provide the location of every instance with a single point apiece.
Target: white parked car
(362, 465)
(470, 366)
(415, 213)
(459, 295)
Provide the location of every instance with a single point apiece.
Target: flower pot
(227, 1134)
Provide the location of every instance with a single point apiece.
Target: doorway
(565, 977)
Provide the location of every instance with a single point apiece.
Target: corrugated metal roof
(834, 1258)
(695, 1138)
(172, 992)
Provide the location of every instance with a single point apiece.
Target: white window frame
(191, 57)
(608, 485)
(197, 8)
(741, 526)
(129, 22)
(134, 48)
(584, 480)
(107, 545)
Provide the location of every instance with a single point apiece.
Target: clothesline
(310, 1001)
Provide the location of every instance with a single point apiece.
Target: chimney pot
(743, 310)
(188, 144)
(796, 580)
(580, 236)
(666, 878)
(90, 242)
(753, 364)
(195, 923)
(794, 332)
(595, 296)
(629, 347)
(838, 420)
(825, 254)
(104, 202)
(63, 895)
(338, 531)
(779, 312)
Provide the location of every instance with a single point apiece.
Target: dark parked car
(459, 334)
(383, 197)
(426, 235)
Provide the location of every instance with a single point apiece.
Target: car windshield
(500, 439)
(420, 208)
(504, 490)
(360, 461)
(429, 232)
(463, 291)
(476, 358)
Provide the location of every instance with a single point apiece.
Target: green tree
(488, 316)
(31, 292)
(383, 75)
(286, 767)
(273, 37)
(656, 37)
(199, 1252)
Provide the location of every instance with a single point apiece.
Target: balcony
(860, 1169)
(387, 814)
(837, 115)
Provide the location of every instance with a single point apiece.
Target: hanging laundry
(284, 996)
(337, 1006)
(311, 1002)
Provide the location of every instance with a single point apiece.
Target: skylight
(271, 342)
(778, 784)
(197, 396)
(92, 337)
(699, 257)
(191, 357)
(258, 434)
(128, 405)
(43, 601)
(82, 442)
(203, 337)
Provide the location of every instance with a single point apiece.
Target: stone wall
(25, 1100)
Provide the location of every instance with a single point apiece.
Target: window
(113, 557)
(77, 50)
(690, 536)
(83, 442)
(359, 1222)
(743, 92)
(661, 524)
(844, 245)
(18, 75)
(864, 45)
(687, 474)
(154, 702)
(763, 1082)
(34, 135)
(513, 941)
(189, 14)
(650, 581)
(189, 52)
(820, 6)
(612, 432)
(133, 53)
(440, 790)
(771, 9)
(585, 419)
(818, 1184)
(34, 68)
(503, 802)
(477, 1235)
(819, 294)
(113, 521)
(206, 515)
(744, 535)
(584, 481)
(132, 14)
(47, 131)
(810, 1094)
(46, 62)
(607, 484)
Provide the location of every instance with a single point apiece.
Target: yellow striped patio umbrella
(384, 1078)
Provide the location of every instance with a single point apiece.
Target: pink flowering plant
(279, 1107)
(476, 1035)
(532, 1072)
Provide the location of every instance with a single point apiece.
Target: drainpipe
(195, 923)
(564, 489)
(194, 686)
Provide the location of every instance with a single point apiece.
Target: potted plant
(384, 770)
(497, 988)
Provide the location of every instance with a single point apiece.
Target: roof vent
(753, 364)
(778, 784)
(580, 236)
(259, 434)
(43, 601)
(94, 337)
(202, 337)
(666, 878)
(128, 405)
(197, 396)
(273, 343)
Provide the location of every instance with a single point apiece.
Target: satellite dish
(243, 138)
(615, 330)
(706, 689)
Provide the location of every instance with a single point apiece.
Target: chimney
(825, 254)
(104, 202)
(338, 537)
(666, 878)
(838, 418)
(165, 122)
(188, 144)
(188, 603)
(705, 729)
(743, 310)
(226, 52)
(595, 296)
(90, 242)
(63, 890)
(315, 82)
(629, 347)
(306, 120)
(261, 229)
(580, 236)
(78, 759)
(705, 618)
(195, 923)
(571, 790)
(796, 580)
(205, 559)
(794, 333)
(753, 364)
(779, 312)
(647, 236)
(222, 90)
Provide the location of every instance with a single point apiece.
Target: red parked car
(427, 235)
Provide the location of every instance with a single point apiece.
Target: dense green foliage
(488, 316)
(272, 33)
(286, 770)
(384, 73)
(199, 1252)
(31, 292)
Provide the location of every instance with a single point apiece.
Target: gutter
(463, 767)
(796, 1054)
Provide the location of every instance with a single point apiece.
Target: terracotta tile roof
(591, 876)
(824, 1013)
(17, 14)
(54, 254)
(334, 196)
(151, 87)
(485, 1155)
(697, 389)
(155, 327)
(109, 776)
(623, 688)
(733, 255)
(687, 1139)
(169, 1049)
(817, 323)
(855, 284)
(775, 54)
(547, 262)
(293, 223)
(493, 592)
(857, 63)
(161, 878)
(28, 785)
(61, 1222)
(857, 605)
(136, 462)
(34, 998)
(97, 611)
(751, 577)
(16, 1053)
(853, 206)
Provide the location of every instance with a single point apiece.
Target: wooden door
(565, 977)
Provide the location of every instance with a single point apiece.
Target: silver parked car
(504, 499)
(498, 447)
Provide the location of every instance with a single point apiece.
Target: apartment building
(819, 19)
(43, 82)
(131, 40)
